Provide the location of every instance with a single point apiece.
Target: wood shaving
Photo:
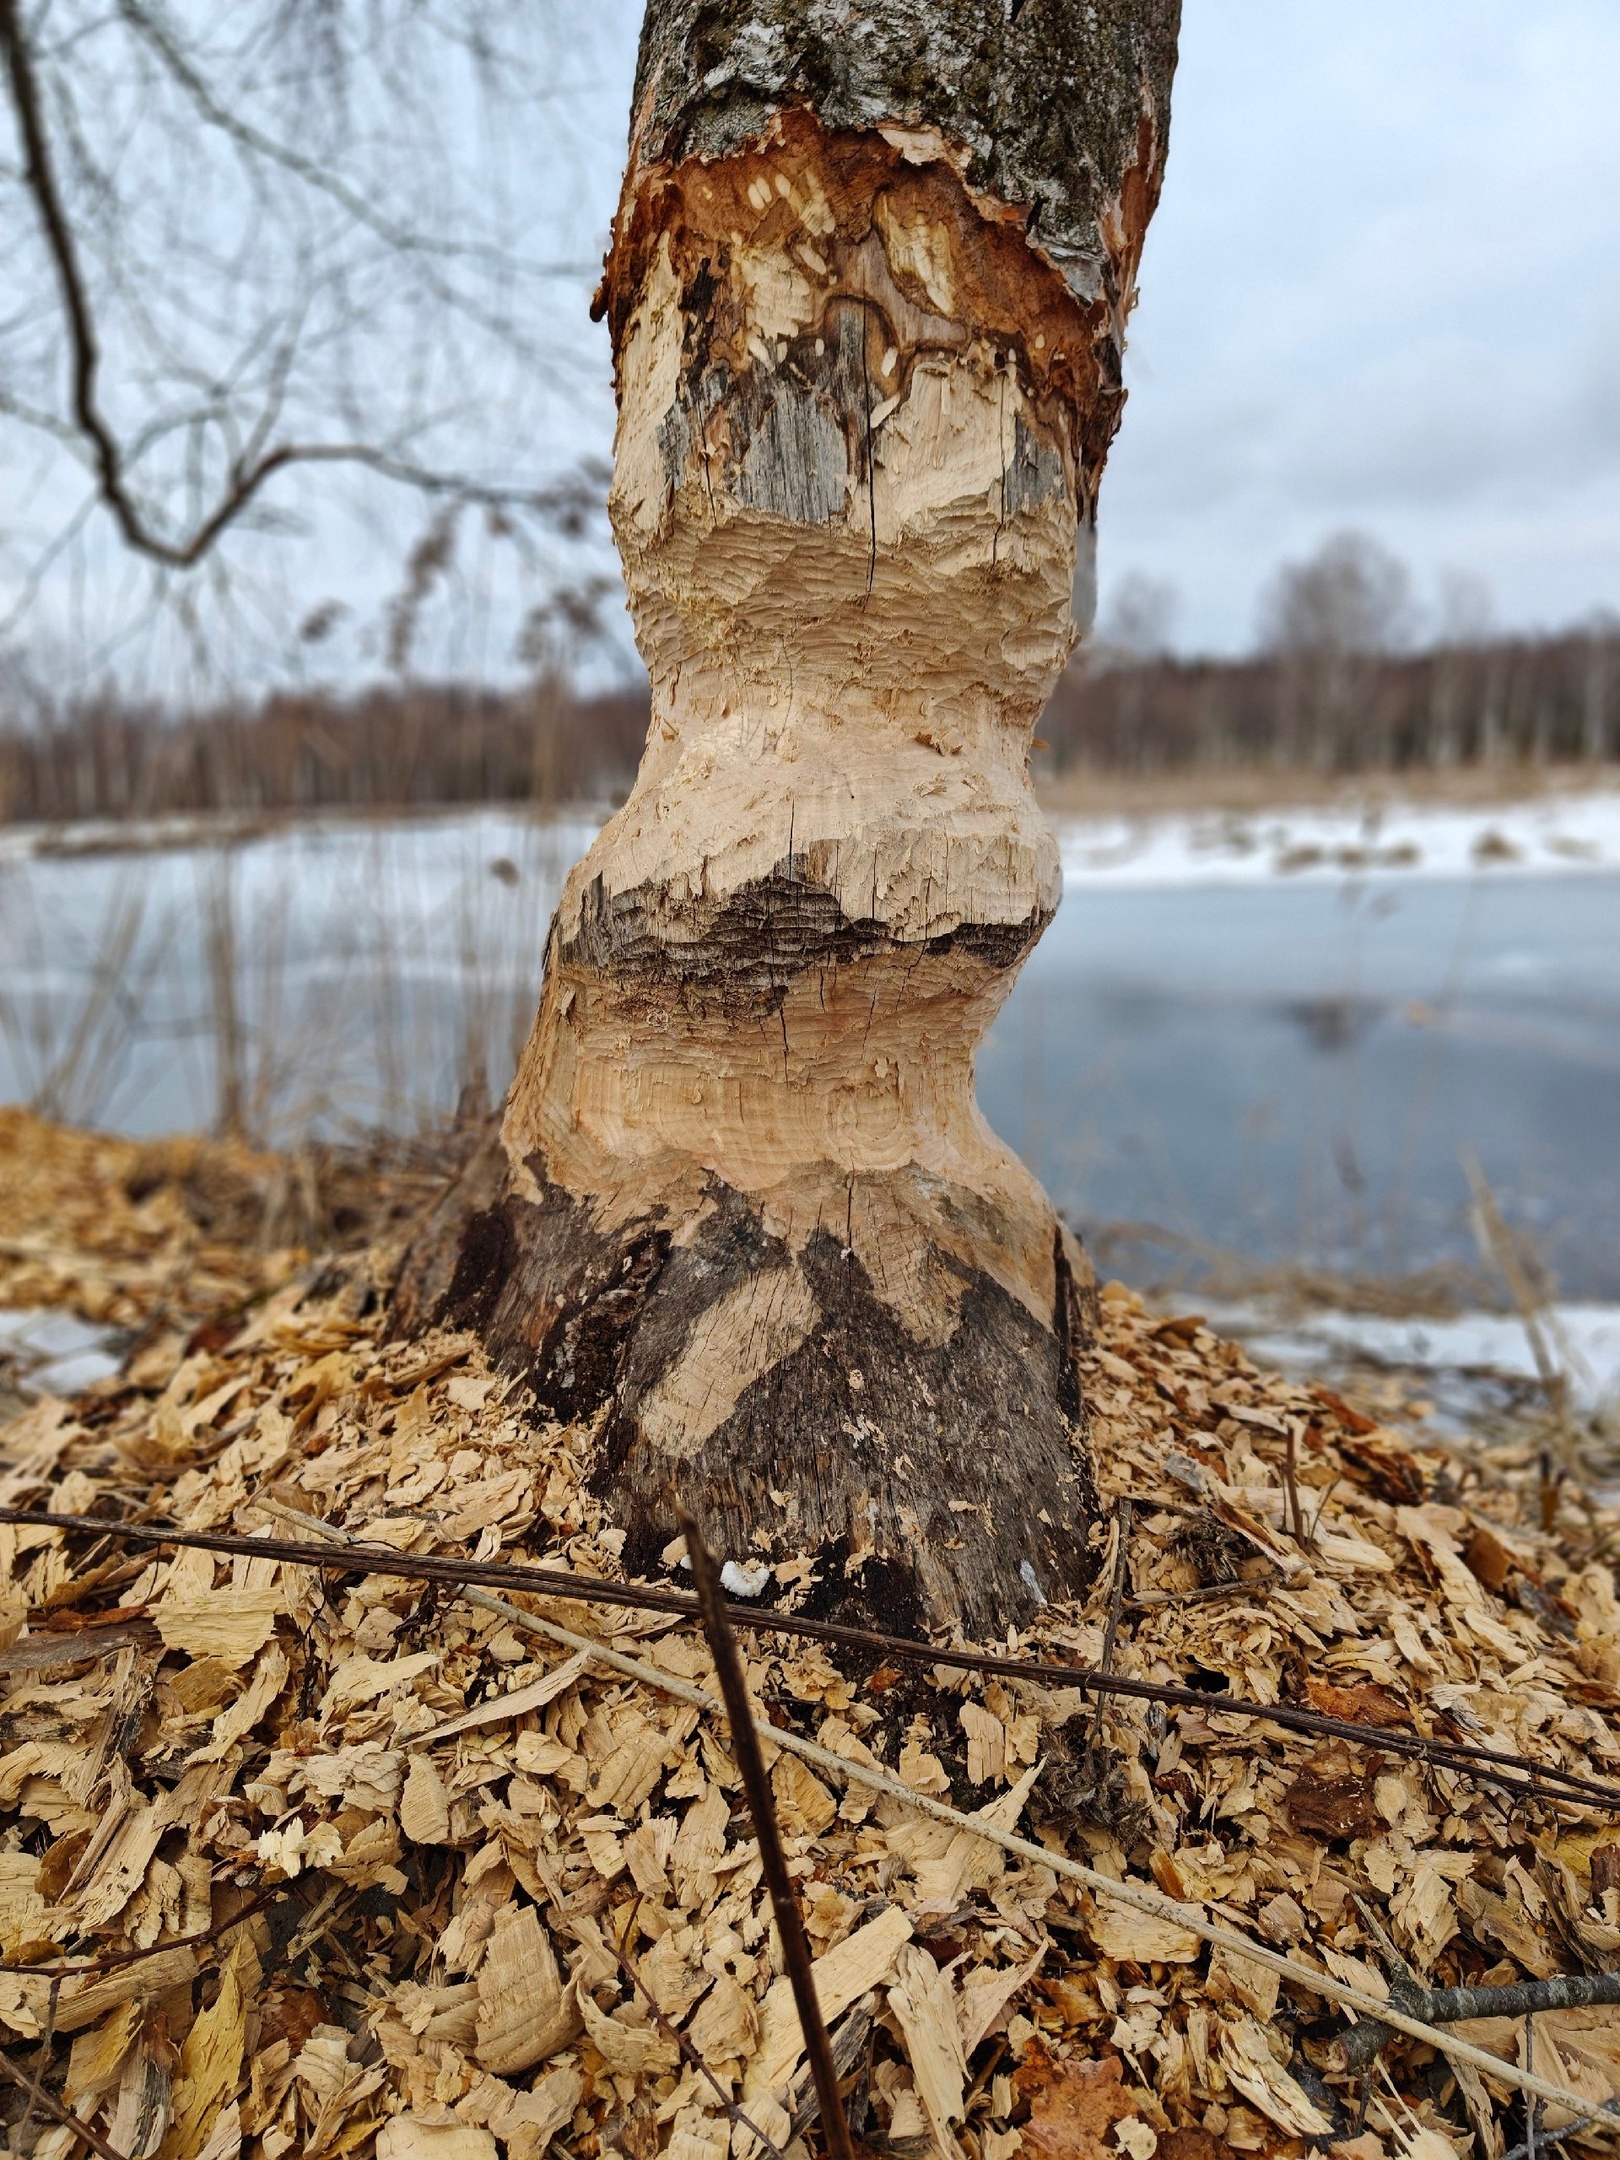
(463, 1837)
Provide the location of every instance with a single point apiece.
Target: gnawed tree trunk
(867, 292)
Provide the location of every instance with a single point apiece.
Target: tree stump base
(777, 1394)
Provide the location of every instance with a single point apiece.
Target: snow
(55, 1352)
(1564, 834)
(1584, 1338)
(1550, 835)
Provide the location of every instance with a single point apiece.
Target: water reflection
(1291, 1072)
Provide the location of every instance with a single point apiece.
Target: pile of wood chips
(463, 1840)
(119, 1230)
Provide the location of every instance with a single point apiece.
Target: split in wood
(1296, 1519)
(1116, 1594)
(847, 2042)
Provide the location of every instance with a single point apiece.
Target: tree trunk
(867, 293)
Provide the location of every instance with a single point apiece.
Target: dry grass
(1253, 790)
(319, 985)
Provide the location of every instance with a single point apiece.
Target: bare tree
(1351, 596)
(868, 292)
(1329, 619)
(259, 249)
(1140, 620)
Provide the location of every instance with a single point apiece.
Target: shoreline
(1214, 827)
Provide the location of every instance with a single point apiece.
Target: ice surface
(1584, 1340)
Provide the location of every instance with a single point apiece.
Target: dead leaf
(1365, 1703)
(1328, 1800)
(1074, 2107)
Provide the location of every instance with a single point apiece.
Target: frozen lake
(1273, 1036)
(1295, 1071)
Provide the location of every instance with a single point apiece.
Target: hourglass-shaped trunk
(867, 293)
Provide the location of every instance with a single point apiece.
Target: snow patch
(747, 1581)
(55, 1353)
(1552, 835)
(1585, 1338)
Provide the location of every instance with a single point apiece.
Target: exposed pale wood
(744, 1200)
(525, 2013)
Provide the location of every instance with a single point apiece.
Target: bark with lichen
(867, 293)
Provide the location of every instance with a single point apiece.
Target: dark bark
(1458, 2005)
(870, 1433)
(1059, 108)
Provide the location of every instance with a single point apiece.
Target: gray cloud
(1383, 290)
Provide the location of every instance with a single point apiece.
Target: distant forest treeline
(1520, 701)
(390, 748)
(1541, 701)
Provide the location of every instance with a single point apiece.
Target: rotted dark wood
(874, 1433)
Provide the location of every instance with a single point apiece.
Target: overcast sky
(1382, 291)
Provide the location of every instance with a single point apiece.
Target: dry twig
(53, 2107)
(784, 1899)
(1517, 1773)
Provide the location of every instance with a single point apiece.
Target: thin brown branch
(745, 1751)
(246, 478)
(1315, 1981)
(688, 2053)
(84, 1968)
(53, 2107)
(1113, 1889)
(1204, 1594)
(42, 2062)
(1515, 1773)
(852, 2036)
